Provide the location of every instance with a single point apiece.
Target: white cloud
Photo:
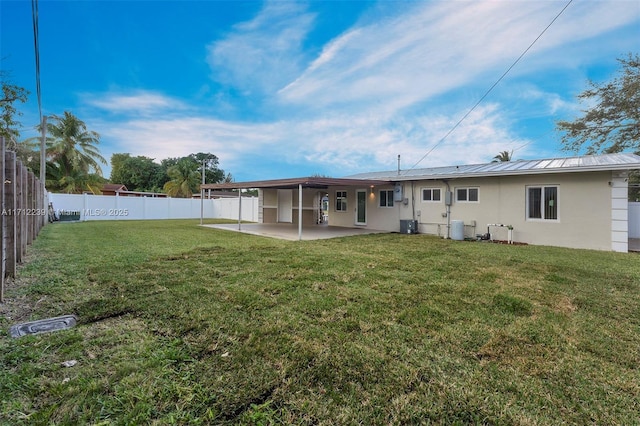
(264, 53)
(138, 101)
(344, 144)
(435, 47)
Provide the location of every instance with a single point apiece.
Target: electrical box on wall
(397, 192)
(448, 198)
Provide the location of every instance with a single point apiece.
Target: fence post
(10, 211)
(20, 219)
(30, 191)
(24, 174)
(2, 240)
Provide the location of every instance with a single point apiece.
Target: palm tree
(72, 147)
(74, 183)
(185, 178)
(503, 156)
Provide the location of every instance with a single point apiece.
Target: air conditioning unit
(408, 226)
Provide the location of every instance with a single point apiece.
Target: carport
(295, 183)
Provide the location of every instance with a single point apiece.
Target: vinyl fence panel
(105, 207)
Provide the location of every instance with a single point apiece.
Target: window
(542, 202)
(431, 194)
(468, 195)
(386, 198)
(341, 201)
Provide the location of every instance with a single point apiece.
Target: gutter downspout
(446, 182)
(413, 202)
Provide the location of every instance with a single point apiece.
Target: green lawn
(180, 324)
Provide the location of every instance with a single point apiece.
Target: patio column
(239, 209)
(299, 211)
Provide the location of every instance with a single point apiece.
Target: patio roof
(306, 182)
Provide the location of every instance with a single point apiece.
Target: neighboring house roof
(221, 194)
(585, 163)
(113, 187)
(120, 189)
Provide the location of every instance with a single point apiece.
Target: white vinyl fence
(104, 207)
(634, 220)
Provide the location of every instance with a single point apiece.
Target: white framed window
(542, 202)
(341, 201)
(468, 195)
(431, 195)
(385, 198)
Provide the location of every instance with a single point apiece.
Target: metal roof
(587, 163)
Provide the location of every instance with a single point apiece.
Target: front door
(361, 207)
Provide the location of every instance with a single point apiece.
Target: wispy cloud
(138, 101)
(436, 47)
(261, 55)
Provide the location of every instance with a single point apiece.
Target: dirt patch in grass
(18, 305)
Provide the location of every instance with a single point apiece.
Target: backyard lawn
(179, 324)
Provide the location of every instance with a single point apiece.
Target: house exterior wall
(382, 218)
(584, 208)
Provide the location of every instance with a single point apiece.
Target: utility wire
(490, 89)
(36, 45)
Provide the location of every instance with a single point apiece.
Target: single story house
(577, 202)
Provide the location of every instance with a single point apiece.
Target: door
(361, 207)
(285, 205)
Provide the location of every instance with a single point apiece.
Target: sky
(281, 89)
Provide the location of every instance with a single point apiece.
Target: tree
(74, 182)
(72, 147)
(8, 112)
(184, 178)
(503, 156)
(212, 173)
(137, 173)
(612, 124)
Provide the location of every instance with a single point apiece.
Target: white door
(285, 205)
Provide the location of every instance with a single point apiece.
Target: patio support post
(239, 209)
(299, 212)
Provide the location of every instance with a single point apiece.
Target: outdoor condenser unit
(408, 226)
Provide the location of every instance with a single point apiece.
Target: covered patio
(288, 229)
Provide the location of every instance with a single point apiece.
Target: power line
(490, 89)
(36, 46)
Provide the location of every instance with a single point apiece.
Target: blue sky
(285, 89)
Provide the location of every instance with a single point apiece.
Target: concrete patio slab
(286, 231)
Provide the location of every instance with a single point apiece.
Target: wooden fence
(23, 212)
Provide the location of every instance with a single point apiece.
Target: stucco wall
(584, 209)
(383, 218)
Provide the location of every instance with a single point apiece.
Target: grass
(184, 325)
